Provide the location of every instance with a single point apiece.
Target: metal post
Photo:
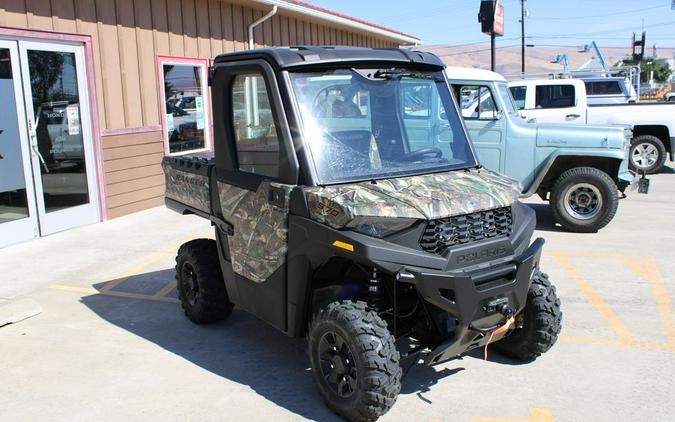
(492, 47)
(522, 36)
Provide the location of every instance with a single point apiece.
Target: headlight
(379, 226)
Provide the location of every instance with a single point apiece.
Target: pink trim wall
(86, 42)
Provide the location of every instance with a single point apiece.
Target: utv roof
(313, 56)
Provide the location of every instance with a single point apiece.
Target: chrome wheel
(583, 201)
(644, 155)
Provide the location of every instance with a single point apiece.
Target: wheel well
(564, 163)
(660, 132)
(336, 279)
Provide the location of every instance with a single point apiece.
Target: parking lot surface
(111, 342)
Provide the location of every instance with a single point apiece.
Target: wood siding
(127, 36)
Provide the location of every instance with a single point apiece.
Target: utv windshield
(363, 124)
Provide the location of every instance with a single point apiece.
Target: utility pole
(522, 37)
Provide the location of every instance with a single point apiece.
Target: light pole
(522, 37)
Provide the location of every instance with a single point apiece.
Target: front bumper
(467, 296)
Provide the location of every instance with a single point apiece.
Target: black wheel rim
(337, 364)
(189, 282)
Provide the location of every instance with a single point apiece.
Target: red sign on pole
(498, 27)
(491, 17)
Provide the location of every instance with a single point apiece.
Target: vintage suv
(579, 169)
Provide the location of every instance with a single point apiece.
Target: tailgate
(187, 183)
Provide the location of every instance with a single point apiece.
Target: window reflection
(185, 107)
(60, 147)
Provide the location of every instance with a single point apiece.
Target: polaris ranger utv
(345, 211)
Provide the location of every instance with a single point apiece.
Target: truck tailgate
(187, 183)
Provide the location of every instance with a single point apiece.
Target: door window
(518, 93)
(477, 102)
(554, 96)
(60, 144)
(13, 195)
(185, 107)
(255, 133)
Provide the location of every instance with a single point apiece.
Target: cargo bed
(188, 180)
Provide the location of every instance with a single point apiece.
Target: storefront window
(186, 120)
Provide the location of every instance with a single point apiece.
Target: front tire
(538, 325)
(200, 284)
(647, 154)
(354, 361)
(584, 199)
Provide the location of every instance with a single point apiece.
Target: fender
(544, 167)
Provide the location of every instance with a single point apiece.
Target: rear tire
(354, 361)
(584, 199)
(200, 284)
(540, 323)
(647, 153)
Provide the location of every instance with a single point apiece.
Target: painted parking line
(646, 268)
(594, 298)
(536, 414)
(109, 288)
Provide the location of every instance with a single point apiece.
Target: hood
(579, 136)
(429, 196)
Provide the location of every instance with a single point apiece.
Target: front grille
(444, 233)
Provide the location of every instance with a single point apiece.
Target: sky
(550, 22)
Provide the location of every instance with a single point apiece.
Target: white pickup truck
(565, 101)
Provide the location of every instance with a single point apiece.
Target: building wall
(127, 36)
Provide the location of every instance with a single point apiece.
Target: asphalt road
(111, 342)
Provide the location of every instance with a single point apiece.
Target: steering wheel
(421, 153)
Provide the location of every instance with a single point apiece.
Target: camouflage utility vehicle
(347, 213)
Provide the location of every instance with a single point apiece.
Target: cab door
(554, 103)
(254, 177)
(484, 122)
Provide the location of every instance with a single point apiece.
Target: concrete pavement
(112, 344)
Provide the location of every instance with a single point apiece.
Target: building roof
(472, 74)
(342, 19)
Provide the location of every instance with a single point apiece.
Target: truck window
(417, 100)
(255, 133)
(603, 88)
(554, 96)
(518, 93)
(477, 102)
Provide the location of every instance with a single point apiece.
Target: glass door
(60, 137)
(18, 211)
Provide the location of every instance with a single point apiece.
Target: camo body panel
(187, 188)
(260, 241)
(429, 196)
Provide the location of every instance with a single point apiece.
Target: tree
(661, 69)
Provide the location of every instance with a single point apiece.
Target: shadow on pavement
(545, 220)
(242, 348)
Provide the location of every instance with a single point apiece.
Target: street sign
(491, 17)
(498, 27)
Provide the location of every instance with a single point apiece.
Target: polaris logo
(481, 255)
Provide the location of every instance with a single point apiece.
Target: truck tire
(584, 199)
(538, 324)
(647, 153)
(200, 284)
(354, 361)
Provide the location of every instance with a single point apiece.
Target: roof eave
(338, 19)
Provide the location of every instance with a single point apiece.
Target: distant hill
(537, 59)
